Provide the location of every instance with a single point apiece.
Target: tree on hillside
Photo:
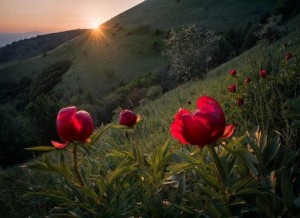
(189, 51)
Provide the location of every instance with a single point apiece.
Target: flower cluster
(233, 87)
(73, 125)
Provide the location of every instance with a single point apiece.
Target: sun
(95, 25)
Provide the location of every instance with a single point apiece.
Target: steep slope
(124, 47)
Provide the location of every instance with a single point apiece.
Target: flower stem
(76, 166)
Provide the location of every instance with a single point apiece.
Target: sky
(58, 15)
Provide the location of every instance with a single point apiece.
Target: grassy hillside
(39, 45)
(123, 49)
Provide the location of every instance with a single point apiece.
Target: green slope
(124, 49)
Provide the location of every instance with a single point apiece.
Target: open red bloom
(240, 101)
(232, 72)
(128, 118)
(203, 127)
(288, 56)
(73, 125)
(263, 73)
(247, 80)
(232, 88)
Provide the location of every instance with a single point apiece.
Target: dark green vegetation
(132, 171)
(35, 46)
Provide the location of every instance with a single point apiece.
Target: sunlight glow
(95, 24)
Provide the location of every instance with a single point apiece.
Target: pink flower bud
(247, 80)
(232, 88)
(128, 118)
(288, 56)
(263, 73)
(232, 72)
(240, 101)
(73, 125)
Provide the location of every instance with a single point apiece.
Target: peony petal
(195, 130)
(59, 145)
(207, 104)
(181, 112)
(176, 126)
(177, 132)
(229, 130)
(83, 124)
(138, 118)
(64, 123)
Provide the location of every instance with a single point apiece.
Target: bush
(17, 133)
(189, 52)
(270, 31)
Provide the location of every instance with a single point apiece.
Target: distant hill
(7, 38)
(126, 47)
(36, 45)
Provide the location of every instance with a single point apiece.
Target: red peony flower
(206, 125)
(128, 118)
(232, 72)
(73, 125)
(240, 101)
(232, 88)
(247, 80)
(263, 73)
(288, 56)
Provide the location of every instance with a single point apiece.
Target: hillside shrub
(43, 112)
(250, 38)
(270, 31)
(17, 132)
(11, 89)
(189, 52)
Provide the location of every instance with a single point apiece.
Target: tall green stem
(76, 166)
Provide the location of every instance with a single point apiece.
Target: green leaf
(210, 180)
(252, 191)
(63, 169)
(188, 157)
(85, 147)
(119, 154)
(179, 167)
(287, 188)
(271, 150)
(244, 183)
(98, 133)
(248, 159)
(38, 166)
(181, 189)
(41, 148)
(118, 172)
(239, 201)
(219, 166)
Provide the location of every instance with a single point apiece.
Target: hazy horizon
(51, 16)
